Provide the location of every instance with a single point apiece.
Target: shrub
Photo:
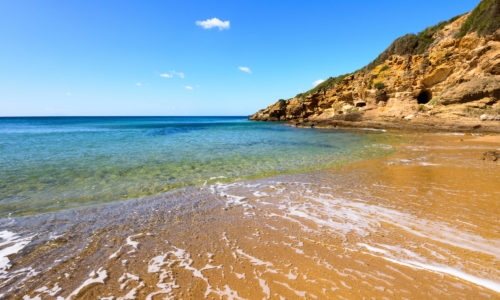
(325, 85)
(385, 67)
(410, 44)
(282, 103)
(379, 86)
(484, 19)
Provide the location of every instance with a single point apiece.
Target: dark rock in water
(491, 155)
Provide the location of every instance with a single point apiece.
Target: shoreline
(286, 235)
(479, 137)
(338, 160)
(406, 126)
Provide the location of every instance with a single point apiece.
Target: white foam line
(132, 243)
(51, 292)
(428, 164)
(131, 294)
(373, 249)
(101, 275)
(298, 293)
(14, 243)
(254, 260)
(154, 266)
(209, 266)
(260, 194)
(291, 276)
(489, 284)
(373, 129)
(359, 217)
(125, 277)
(115, 254)
(265, 288)
(183, 260)
(228, 292)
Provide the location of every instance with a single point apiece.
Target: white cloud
(214, 22)
(188, 87)
(180, 74)
(139, 84)
(245, 69)
(68, 94)
(171, 74)
(318, 82)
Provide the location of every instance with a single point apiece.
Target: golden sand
(422, 223)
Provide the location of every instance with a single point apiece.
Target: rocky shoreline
(416, 126)
(446, 78)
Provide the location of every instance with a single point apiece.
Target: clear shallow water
(54, 163)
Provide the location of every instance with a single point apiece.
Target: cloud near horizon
(319, 81)
(245, 69)
(214, 22)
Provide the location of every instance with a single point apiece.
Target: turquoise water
(54, 163)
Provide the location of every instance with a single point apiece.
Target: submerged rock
(491, 155)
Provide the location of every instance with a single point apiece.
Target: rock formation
(446, 77)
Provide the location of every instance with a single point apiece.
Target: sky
(177, 58)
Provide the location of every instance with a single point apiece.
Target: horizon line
(122, 116)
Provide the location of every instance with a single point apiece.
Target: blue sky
(152, 58)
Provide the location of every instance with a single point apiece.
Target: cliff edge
(445, 77)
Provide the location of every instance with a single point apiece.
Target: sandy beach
(421, 223)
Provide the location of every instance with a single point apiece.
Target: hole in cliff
(424, 97)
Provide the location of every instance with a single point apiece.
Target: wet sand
(421, 223)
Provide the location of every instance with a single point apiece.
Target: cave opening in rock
(424, 97)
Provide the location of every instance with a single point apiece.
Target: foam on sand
(10, 243)
(489, 284)
(95, 277)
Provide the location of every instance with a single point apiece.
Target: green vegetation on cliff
(327, 84)
(484, 19)
(410, 44)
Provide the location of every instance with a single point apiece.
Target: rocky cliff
(445, 77)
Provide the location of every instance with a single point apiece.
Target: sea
(53, 163)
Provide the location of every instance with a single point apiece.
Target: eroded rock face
(475, 89)
(456, 78)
